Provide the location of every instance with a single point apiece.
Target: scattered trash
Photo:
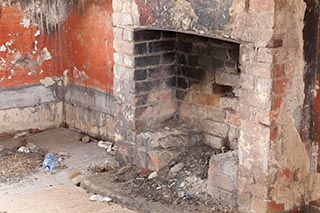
(21, 134)
(99, 198)
(109, 146)
(78, 179)
(74, 174)
(24, 149)
(104, 144)
(30, 145)
(85, 139)
(177, 168)
(152, 175)
(48, 162)
(143, 171)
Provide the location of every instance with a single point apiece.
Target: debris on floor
(99, 198)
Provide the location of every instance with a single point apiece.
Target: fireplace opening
(187, 95)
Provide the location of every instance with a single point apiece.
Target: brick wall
(154, 75)
(207, 83)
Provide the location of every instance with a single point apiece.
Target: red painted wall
(20, 51)
(88, 53)
(83, 44)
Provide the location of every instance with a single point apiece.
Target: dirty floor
(26, 187)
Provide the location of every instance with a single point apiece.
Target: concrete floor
(64, 198)
(53, 191)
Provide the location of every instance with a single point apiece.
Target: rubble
(177, 168)
(24, 149)
(152, 175)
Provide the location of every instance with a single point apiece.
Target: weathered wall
(274, 162)
(28, 55)
(88, 45)
(57, 43)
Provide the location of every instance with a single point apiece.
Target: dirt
(185, 189)
(15, 165)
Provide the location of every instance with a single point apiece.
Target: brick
(161, 158)
(140, 75)
(118, 58)
(162, 46)
(117, 6)
(170, 83)
(213, 141)
(123, 46)
(182, 83)
(264, 55)
(169, 34)
(258, 205)
(160, 96)
(192, 73)
(127, 35)
(233, 54)
(214, 128)
(147, 86)
(263, 6)
(279, 86)
(180, 94)
(263, 85)
(218, 52)
(212, 113)
(117, 33)
(129, 61)
(204, 99)
(216, 64)
(147, 61)
(229, 103)
(278, 71)
(126, 6)
(227, 79)
(232, 118)
(247, 81)
(260, 101)
(122, 19)
(167, 58)
(181, 59)
(184, 46)
(146, 35)
(140, 49)
(161, 72)
(193, 60)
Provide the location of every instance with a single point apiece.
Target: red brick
(275, 207)
(279, 86)
(232, 118)
(278, 71)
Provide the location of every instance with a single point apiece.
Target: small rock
(176, 168)
(74, 173)
(112, 164)
(167, 128)
(152, 175)
(31, 146)
(63, 154)
(24, 149)
(18, 135)
(99, 198)
(85, 139)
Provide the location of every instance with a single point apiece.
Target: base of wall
(91, 111)
(41, 117)
(91, 122)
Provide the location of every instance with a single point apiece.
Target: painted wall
(88, 45)
(26, 54)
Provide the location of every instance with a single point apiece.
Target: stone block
(214, 128)
(213, 141)
(247, 81)
(229, 103)
(228, 79)
(225, 163)
(263, 85)
(161, 158)
(123, 46)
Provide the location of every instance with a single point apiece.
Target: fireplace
(232, 70)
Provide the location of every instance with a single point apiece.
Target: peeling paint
(47, 81)
(25, 22)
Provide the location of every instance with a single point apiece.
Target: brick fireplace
(237, 76)
(230, 68)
